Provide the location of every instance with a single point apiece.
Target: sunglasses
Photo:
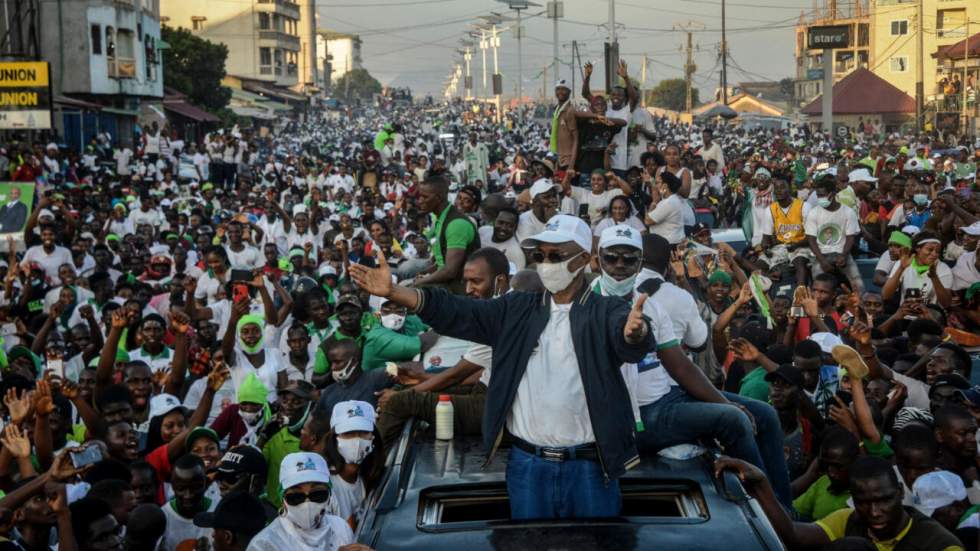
(317, 496)
(553, 257)
(611, 259)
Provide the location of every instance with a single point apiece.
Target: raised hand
(119, 319)
(745, 351)
(18, 405)
(636, 325)
(62, 469)
(860, 333)
(218, 376)
(16, 441)
(180, 322)
(87, 312)
(376, 281)
(587, 69)
(621, 69)
(42, 401)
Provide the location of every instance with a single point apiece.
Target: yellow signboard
(25, 95)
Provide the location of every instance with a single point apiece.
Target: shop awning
(253, 112)
(76, 103)
(121, 112)
(189, 111)
(274, 91)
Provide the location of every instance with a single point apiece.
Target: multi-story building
(337, 54)
(809, 62)
(105, 61)
(263, 36)
(894, 35)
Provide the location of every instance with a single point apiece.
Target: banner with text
(25, 95)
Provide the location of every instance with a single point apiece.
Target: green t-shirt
(817, 501)
(384, 345)
(275, 450)
(459, 234)
(881, 449)
(754, 385)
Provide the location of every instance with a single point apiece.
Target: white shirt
(618, 158)
(248, 258)
(912, 280)
(528, 225)
(511, 248)
(207, 288)
(350, 497)
(180, 529)
(641, 118)
(608, 222)
(885, 264)
(48, 262)
(282, 534)
(831, 228)
(598, 204)
(668, 219)
(965, 271)
(122, 157)
(481, 355)
(681, 309)
(550, 407)
(151, 217)
(161, 362)
(713, 152)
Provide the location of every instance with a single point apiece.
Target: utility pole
(556, 10)
(612, 49)
(575, 65)
(643, 81)
(724, 58)
(919, 69)
(966, 53)
(689, 67)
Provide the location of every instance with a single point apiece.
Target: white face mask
(345, 373)
(617, 288)
(823, 202)
(555, 276)
(306, 515)
(250, 418)
(354, 450)
(393, 321)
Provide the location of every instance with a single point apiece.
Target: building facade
(809, 62)
(338, 53)
(263, 36)
(104, 53)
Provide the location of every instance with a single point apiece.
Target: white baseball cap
(937, 489)
(562, 84)
(861, 175)
(351, 416)
(563, 228)
(325, 270)
(827, 341)
(620, 235)
(299, 209)
(543, 185)
(301, 467)
(972, 229)
(162, 404)
(911, 230)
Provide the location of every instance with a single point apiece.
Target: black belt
(587, 452)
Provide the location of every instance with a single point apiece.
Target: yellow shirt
(835, 523)
(788, 226)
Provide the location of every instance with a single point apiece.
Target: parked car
(440, 495)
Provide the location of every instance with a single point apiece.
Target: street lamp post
(518, 6)
(556, 10)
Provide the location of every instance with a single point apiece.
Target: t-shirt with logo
(831, 228)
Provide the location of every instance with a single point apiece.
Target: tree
(788, 87)
(672, 94)
(362, 85)
(195, 66)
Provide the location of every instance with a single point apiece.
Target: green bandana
(919, 268)
(252, 390)
(900, 239)
(719, 277)
(249, 319)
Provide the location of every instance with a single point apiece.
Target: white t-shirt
(160, 362)
(350, 497)
(598, 204)
(122, 157)
(48, 262)
(528, 225)
(681, 308)
(608, 222)
(618, 158)
(885, 264)
(965, 271)
(511, 248)
(181, 530)
(282, 535)
(207, 288)
(641, 118)
(481, 355)
(550, 407)
(668, 219)
(248, 258)
(831, 228)
(912, 280)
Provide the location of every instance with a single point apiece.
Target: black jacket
(512, 325)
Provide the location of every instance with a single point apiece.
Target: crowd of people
(215, 345)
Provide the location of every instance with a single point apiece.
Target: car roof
(422, 467)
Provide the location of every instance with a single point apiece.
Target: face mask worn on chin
(393, 321)
(920, 199)
(250, 417)
(555, 276)
(824, 202)
(354, 450)
(617, 288)
(345, 373)
(306, 515)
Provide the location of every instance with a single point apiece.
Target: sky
(413, 42)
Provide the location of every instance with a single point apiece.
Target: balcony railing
(122, 67)
(284, 7)
(279, 36)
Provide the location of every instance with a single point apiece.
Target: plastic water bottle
(444, 418)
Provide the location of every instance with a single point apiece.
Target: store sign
(814, 74)
(25, 95)
(828, 38)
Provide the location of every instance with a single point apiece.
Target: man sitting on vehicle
(783, 236)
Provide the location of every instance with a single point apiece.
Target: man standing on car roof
(556, 384)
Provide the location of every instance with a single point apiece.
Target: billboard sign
(25, 95)
(828, 37)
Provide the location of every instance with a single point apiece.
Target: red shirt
(159, 459)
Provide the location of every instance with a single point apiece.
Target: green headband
(719, 276)
(900, 239)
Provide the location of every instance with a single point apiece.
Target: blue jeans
(575, 488)
(677, 418)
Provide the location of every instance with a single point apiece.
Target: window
(265, 56)
(265, 23)
(951, 24)
(139, 32)
(96, 40)
(197, 22)
(900, 27)
(110, 42)
(864, 35)
(899, 64)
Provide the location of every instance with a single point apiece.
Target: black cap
(788, 373)
(349, 299)
(300, 388)
(237, 512)
(700, 227)
(951, 379)
(243, 459)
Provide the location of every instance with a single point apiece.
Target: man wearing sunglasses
(306, 524)
(556, 386)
